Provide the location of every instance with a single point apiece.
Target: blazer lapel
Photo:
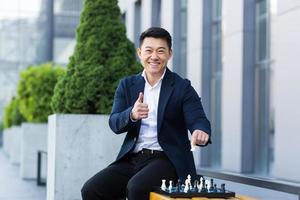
(167, 87)
(137, 87)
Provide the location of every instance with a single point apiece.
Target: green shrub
(12, 115)
(35, 90)
(102, 56)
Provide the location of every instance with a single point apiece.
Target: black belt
(151, 152)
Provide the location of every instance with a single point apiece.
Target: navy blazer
(179, 110)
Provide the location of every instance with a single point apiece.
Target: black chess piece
(215, 188)
(195, 189)
(178, 185)
(211, 188)
(223, 187)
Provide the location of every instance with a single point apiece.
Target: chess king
(155, 109)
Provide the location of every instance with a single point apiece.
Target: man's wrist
(131, 117)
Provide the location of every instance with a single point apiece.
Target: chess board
(200, 188)
(216, 194)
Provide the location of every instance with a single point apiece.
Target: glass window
(180, 37)
(156, 9)
(263, 118)
(216, 81)
(137, 22)
(212, 78)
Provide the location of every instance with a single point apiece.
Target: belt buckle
(147, 151)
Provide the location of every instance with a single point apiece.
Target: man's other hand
(199, 137)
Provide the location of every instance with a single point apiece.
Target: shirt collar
(160, 79)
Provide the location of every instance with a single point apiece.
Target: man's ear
(138, 52)
(170, 52)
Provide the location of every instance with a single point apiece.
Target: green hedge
(12, 115)
(35, 90)
(102, 56)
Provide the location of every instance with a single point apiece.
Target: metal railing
(273, 184)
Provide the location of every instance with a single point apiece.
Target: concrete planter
(7, 140)
(78, 147)
(33, 139)
(15, 145)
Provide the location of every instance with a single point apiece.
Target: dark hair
(157, 32)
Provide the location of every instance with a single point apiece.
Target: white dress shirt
(148, 132)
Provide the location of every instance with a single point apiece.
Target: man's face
(154, 54)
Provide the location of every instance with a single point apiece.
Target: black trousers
(133, 177)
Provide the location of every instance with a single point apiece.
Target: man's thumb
(141, 97)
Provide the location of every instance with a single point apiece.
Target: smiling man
(155, 109)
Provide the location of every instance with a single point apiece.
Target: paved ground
(12, 187)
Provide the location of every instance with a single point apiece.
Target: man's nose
(154, 55)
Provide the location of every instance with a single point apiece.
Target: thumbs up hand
(140, 110)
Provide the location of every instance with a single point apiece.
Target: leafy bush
(35, 90)
(12, 115)
(102, 56)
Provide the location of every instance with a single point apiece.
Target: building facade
(31, 33)
(241, 57)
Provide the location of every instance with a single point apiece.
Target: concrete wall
(15, 145)
(286, 81)
(33, 139)
(232, 84)
(78, 147)
(7, 140)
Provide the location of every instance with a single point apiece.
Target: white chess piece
(189, 178)
(170, 186)
(193, 147)
(200, 186)
(207, 182)
(186, 186)
(163, 185)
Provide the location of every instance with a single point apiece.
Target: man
(155, 108)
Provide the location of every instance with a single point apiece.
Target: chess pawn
(211, 187)
(186, 186)
(223, 187)
(178, 185)
(203, 189)
(215, 188)
(163, 185)
(170, 188)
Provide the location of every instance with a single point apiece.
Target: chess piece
(193, 147)
(189, 178)
(163, 185)
(204, 186)
(195, 186)
(200, 185)
(215, 188)
(178, 185)
(170, 188)
(223, 187)
(207, 183)
(211, 187)
(186, 186)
